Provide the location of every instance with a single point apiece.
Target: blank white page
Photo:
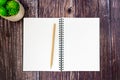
(81, 44)
(37, 43)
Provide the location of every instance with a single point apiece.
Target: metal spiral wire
(61, 44)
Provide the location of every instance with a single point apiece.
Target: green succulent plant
(12, 7)
(2, 2)
(9, 7)
(3, 11)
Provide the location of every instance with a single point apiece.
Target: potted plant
(11, 10)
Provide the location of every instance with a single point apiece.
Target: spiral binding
(61, 44)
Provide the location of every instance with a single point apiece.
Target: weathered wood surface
(11, 38)
(115, 32)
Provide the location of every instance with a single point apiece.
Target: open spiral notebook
(75, 41)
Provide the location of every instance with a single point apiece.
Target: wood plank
(7, 50)
(105, 39)
(115, 25)
(51, 8)
(86, 8)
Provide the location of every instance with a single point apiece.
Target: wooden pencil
(53, 43)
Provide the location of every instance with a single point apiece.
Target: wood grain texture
(115, 26)
(11, 38)
(105, 39)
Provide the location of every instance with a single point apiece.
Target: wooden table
(11, 38)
